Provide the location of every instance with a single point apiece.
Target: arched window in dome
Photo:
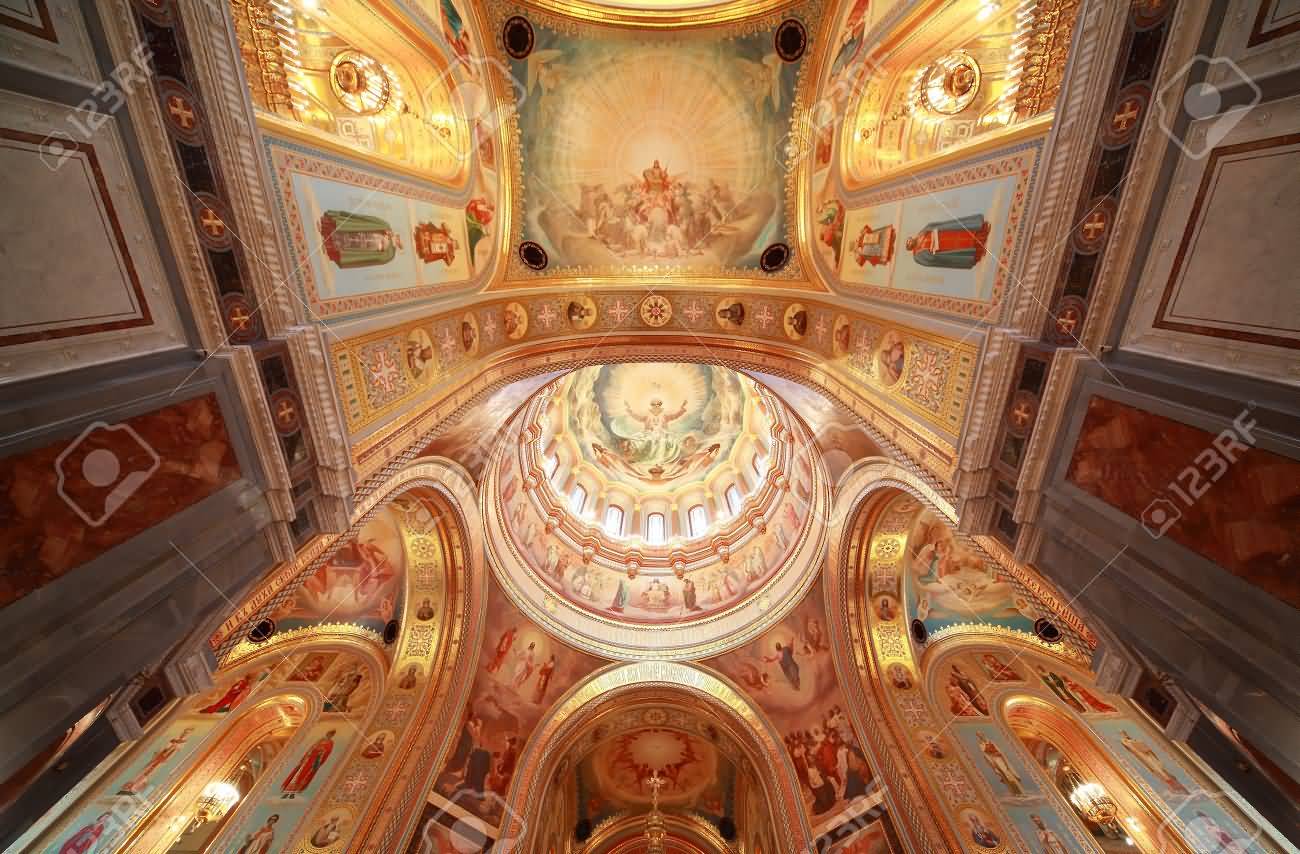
(552, 466)
(578, 501)
(759, 464)
(734, 501)
(614, 520)
(656, 531)
(697, 521)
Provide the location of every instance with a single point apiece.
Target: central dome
(655, 509)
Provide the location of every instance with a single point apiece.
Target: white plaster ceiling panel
(48, 36)
(1218, 287)
(83, 279)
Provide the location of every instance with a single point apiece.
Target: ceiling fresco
(697, 775)
(654, 426)
(732, 543)
(646, 152)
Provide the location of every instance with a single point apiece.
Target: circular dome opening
(655, 509)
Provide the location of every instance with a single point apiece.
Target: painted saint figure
(1049, 842)
(980, 833)
(967, 686)
(261, 841)
(1094, 702)
(375, 748)
(340, 693)
(620, 597)
(87, 838)
(503, 649)
(327, 834)
(995, 670)
(525, 661)
(305, 771)
(544, 675)
(1148, 757)
(957, 244)
(357, 240)
(688, 596)
(1059, 688)
(993, 756)
(234, 695)
(141, 781)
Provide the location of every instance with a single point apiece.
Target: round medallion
(1121, 125)
(774, 257)
(469, 334)
(581, 312)
(656, 311)
(795, 321)
(240, 317)
(211, 221)
(181, 112)
(533, 255)
(1091, 232)
(1067, 320)
(730, 313)
(517, 37)
(791, 40)
(514, 319)
(1022, 412)
(285, 412)
(841, 336)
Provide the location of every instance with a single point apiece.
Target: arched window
(552, 466)
(656, 531)
(759, 464)
(734, 501)
(697, 521)
(578, 501)
(614, 520)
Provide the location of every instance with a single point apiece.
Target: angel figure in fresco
(503, 649)
(957, 244)
(993, 756)
(260, 841)
(763, 79)
(997, 671)
(302, 775)
(544, 674)
(140, 781)
(86, 839)
(525, 662)
(1143, 753)
(353, 240)
(1094, 702)
(785, 658)
(1049, 842)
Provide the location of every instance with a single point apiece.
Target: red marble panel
(1239, 507)
(68, 502)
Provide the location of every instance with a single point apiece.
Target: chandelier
(1091, 800)
(214, 801)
